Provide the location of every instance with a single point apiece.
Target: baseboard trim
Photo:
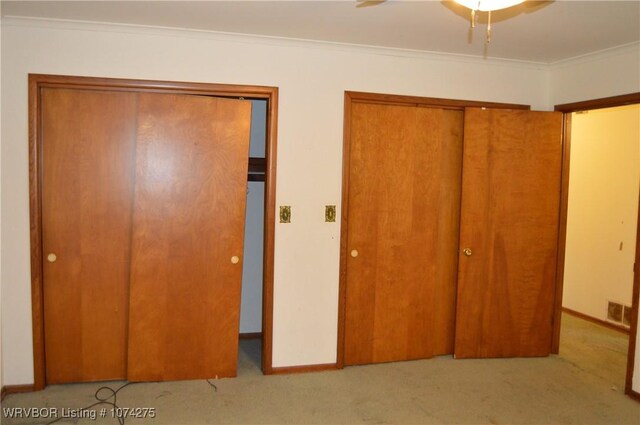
(600, 322)
(633, 394)
(303, 369)
(251, 335)
(14, 389)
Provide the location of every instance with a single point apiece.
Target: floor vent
(619, 313)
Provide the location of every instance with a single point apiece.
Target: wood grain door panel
(509, 219)
(188, 223)
(88, 140)
(403, 206)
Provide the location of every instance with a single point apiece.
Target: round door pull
(235, 259)
(354, 253)
(467, 252)
(52, 258)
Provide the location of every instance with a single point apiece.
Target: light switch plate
(330, 213)
(285, 214)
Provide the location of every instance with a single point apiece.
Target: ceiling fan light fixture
(488, 5)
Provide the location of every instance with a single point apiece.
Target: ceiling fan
(480, 5)
(486, 6)
(474, 5)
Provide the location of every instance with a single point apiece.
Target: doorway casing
(39, 81)
(568, 109)
(351, 97)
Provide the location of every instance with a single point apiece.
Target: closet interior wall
(252, 267)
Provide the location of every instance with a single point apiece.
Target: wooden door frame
(567, 109)
(39, 81)
(351, 97)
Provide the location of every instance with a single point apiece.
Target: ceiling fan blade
(369, 3)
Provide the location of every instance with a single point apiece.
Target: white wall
(312, 78)
(607, 73)
(603, 209)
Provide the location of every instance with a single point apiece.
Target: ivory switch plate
(330, 213)
(285, 214)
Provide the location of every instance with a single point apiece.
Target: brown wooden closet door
(404, 194)
(509, 220)
(88, 140)
(189, 212)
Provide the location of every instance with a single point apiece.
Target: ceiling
(537, 31)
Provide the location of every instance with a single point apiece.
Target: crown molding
(633, 47)
(63, 24)
(78, 25)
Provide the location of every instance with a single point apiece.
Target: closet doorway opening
(597, 268)
(251, 309)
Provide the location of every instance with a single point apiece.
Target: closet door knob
(467, 252)
(52, 258)
(354, 253)
(235, 259)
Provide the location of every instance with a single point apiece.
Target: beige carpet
(583, 385)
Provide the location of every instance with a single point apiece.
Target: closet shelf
(257, 169)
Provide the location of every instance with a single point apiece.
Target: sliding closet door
(88, 150)
(403, 206)
(187, 242)
(509, 233)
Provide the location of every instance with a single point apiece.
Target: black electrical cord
(212, 385)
